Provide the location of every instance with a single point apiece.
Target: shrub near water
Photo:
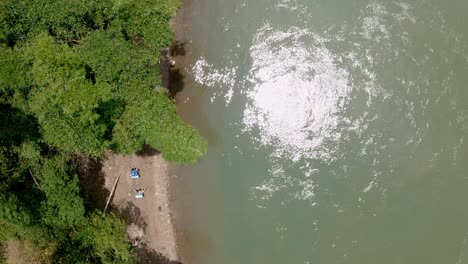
(79, 77)
(87, 71)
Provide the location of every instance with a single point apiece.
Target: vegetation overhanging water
(78, 78)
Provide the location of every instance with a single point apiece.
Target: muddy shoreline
(151, 220)
(175, 84)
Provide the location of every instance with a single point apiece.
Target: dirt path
(149, 218)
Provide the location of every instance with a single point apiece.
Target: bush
(78, 78)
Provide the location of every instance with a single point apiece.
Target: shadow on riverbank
(148, 220)
(92, 181)
(150, 256)
(147, 151)
(133, 216)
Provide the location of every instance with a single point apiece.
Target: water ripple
(298, 94)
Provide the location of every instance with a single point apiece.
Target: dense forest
(79, 78)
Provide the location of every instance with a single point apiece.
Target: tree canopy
(87, 72)
(79, 78)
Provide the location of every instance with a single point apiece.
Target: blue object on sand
(135, 173)
(139, 195)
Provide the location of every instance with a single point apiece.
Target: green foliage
(6, 163)
(17, 19)
(55, 215)
(12, 211)
(98, 240)
(106, 237)
(78, 77)
(15, 71)
(11, 168)
(66, 20)
(16, 125)
(30, 152)
(63, 207)
(153, 117)
(146, 23)
(125, 140)
(65, 100)
(82, 68)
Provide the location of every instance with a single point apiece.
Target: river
(337, 131)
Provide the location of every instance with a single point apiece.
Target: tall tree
(65, 98)
(79, 78)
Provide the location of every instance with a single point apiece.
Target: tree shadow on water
(178, 48)
(148, 255)
(171, 76)
(164, 67)
(176, 81)
(176, 78)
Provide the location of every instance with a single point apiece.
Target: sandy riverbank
(175, 84)
(150, 218)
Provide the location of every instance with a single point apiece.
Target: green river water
(337, 131)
